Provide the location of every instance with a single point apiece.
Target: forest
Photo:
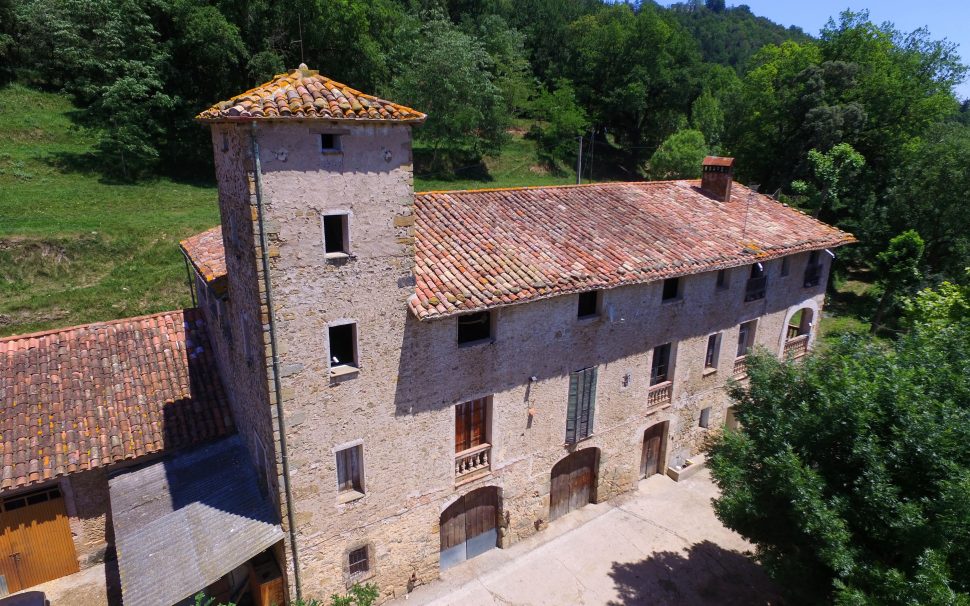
(858, 126)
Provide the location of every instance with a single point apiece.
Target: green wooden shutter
(587, 402)
(572, 406)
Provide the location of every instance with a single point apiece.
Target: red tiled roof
(88, 396)
(305, 94)
(207, 253)
(481, 249)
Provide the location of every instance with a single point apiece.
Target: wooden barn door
(35, 540)
(573, 483)
(469, 526)
(653, 450)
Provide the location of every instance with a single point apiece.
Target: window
(746, 337)
(785, 266)
(713, 349)
(350, 469)
(671, 289)
(757, 283)
(359, 562)
(660, 365)
(582, 400)
(329, 142)
(343, 346)
(471, 424)
(335, 235)
(705, 417)
(474, 328)
(813, 271)
(588, 304)
(722, 281)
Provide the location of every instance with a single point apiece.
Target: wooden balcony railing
(740, 367)
(796, 347)
(477, 458)
(792, 332)
(660, 394)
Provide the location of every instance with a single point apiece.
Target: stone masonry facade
(399, 403)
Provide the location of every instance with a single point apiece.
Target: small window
(329, 142)
(660, 365)
(813, 271)
(359, 562)
(582, 401)
(713, 349)
(343, 346)
(705, 417)
(474, 328)
(671, 289)
(335, 234)
(588, 304)
(722, 281)
(350, 469)
(746, 337)
(757, 285)
(785, 266)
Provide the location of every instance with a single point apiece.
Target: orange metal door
(35, 540)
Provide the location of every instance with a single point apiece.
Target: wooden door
(573, 483)
(469, 527)
(653, 450)
(35, 540)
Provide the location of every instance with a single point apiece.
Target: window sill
(588, 319)
(331, 152)
(671, 301)
(360, 577)
(579, 441)
(349, 496)
(337, 256)
(487, 341)
(343, 371)
(708, 372)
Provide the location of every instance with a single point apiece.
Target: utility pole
(579, 163)
(592, 151)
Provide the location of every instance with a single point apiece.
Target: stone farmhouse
(378, 384)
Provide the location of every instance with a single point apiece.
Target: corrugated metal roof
(182, 523)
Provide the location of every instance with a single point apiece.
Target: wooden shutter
(582, 400)
(349, 469)
(470, 424)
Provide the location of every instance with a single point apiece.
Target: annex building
(376, 384)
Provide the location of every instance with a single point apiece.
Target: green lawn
(74, 249)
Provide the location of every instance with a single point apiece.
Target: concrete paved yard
(659, 545)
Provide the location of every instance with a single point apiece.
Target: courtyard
(659, 545)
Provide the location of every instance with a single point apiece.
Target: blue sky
(948, 19)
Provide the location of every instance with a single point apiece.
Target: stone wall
(399, 405)
(87, 503)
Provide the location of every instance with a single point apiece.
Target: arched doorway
(573, 482)
(654, 450)
(798, 332)
(469, 527)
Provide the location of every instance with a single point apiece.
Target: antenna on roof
(747, 209)
(299, 24)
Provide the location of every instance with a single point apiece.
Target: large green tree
(851, 470)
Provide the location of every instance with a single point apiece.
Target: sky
(948, 19)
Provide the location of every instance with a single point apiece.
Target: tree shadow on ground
(450, 165)
(707, 574)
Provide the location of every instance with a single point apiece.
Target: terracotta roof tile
(480, 249)
(476, 250)
(305, 94)
(207, 254)
(88, 396)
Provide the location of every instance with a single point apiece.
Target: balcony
(740, 367)
(796, 347)
(474, 462)
(756, 288)
(813, 275)
(660, 394)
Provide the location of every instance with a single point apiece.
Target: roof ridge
(53, 331)
(560, 186)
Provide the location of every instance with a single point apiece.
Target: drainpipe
(188, 276)
(277, 385)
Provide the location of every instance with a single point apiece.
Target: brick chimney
(717, 174)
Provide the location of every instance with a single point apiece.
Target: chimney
(717, 174)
